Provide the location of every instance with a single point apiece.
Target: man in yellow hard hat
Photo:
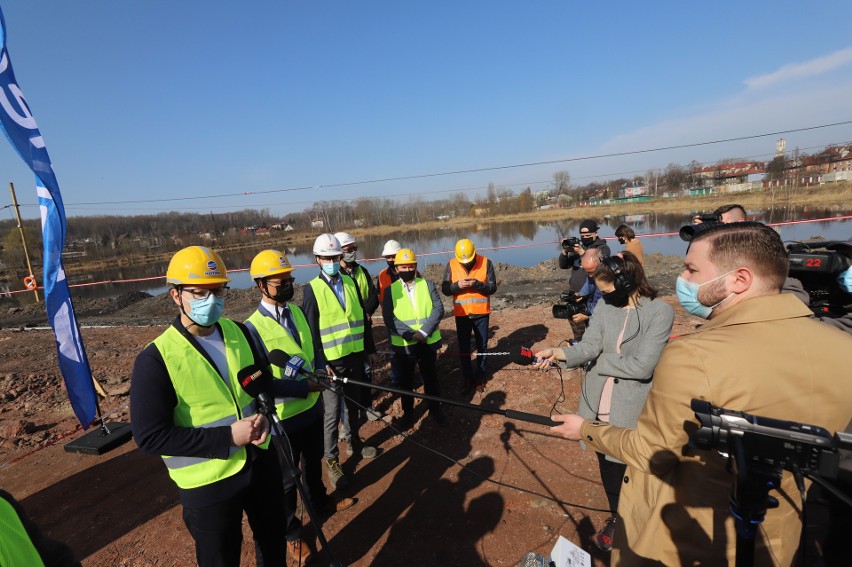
(188, 406)
(470, 279)
(412, 311)
(279, 325)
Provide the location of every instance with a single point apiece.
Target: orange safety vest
(470, 302)
(384, 283)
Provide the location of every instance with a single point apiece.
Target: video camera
(767, 442)
(817, 265)
(710, 217)
(570, 305)
(570, 242)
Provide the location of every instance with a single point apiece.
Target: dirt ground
(522, 487)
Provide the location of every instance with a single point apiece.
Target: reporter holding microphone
(624, 340)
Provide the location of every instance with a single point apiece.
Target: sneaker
(374, 414)
(368, 452)
(336, 475)
(347, 447)
(603, 539)
(299, 551)
(334, 505)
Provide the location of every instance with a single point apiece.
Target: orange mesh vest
(468, 301)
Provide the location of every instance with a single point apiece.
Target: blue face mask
(687, 294)
(331, 268)
(845, 280)
(207, 311)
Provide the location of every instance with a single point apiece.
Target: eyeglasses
(279, 283)
(205, 293)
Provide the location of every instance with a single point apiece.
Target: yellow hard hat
(405, 257)
(196, 265)
(269, 263)
(465, 251)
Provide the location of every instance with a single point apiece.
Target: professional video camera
(570, 305)
(570, 242)
(765, 441)
(710, 217)
(817, 265)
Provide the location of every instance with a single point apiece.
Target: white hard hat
(391, 248)
(344, 238)
(327, 245)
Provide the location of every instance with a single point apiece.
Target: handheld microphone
(292, 366)
(257, 384)
(525, 357)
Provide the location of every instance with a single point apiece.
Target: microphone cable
(458, 463)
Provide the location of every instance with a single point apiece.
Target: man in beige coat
(761, 352)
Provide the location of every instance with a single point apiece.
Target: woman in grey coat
(625, 338)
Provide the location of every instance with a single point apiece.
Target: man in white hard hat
(334, 310)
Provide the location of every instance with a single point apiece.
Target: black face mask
(587, 240)
(407, 277)
(390, 263)
(616, 298)
(285, 292)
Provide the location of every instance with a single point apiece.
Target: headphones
(622, 282)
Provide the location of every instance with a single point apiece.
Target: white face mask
(687, 295)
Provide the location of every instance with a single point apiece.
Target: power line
(474, 170)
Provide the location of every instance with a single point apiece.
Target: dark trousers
(612, 477)
(350, 366)
(218, 529)
(303, 445)
(425, 356)
(465, 326)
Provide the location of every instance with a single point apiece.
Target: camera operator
(760, 352)
(572, 253)
(589, 292)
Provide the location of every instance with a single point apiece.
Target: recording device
(817, 265)
(258, 385)
(525, 357)
(570, 242)
(570, 307)
(710, 217)
(765, 442)
(688, 232)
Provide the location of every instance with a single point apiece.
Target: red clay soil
(522, 488)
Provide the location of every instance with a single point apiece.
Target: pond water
(521, 243)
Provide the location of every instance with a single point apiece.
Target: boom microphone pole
(293, 365)
(257, 384)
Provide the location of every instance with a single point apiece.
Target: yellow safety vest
(359, 274)
(205, 401)
(275, 337)
(341, 331)
(410, 314)
(16, 548)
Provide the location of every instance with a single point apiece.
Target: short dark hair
(750, 244)
(728, 208)
(632, 270)
(624, 231)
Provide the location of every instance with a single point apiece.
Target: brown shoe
(334, 505)
(299, 551)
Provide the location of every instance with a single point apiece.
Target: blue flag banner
(23, 133)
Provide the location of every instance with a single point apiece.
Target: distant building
(317, 223)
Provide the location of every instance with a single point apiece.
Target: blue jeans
(479, 327)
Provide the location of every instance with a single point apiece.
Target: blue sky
(157, 100)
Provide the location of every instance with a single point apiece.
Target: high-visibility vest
(16, 547)
(411, 314)
(468, 301)
(359, 274)
(275, 337)
(204, 400)
(341, 331)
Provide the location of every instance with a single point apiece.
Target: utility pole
(31, 277)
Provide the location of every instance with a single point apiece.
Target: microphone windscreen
(294, 366)
(254, 380)
(523, 356)
(279, 358)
